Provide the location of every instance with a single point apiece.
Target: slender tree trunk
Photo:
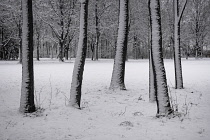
(162, 99)
(152, 84)
(52, 51)
(187, 52)
(20, 43)
(97, 31)
(152, 90)
(27, 89)
(1, 49)
(76, 85)
(67, 53)
(117, 81)
(37, 47)
(177, 51)
(135, 50)
(92, 51)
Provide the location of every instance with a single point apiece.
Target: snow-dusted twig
(50, 99)
(122, 113)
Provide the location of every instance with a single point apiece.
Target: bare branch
(182, 11)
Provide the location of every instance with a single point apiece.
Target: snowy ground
(106, 115)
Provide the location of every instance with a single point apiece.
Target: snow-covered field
(106, 115)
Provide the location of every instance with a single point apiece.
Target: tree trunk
(135, 50)
(117, 81)
(97, 31)
(66, 53)
(177, 51)
(37, 47)
(52, 51)
(27, 89)
(163, 103)
(152, 90)
(92, 50)
(20, 43)
(60, 55)
(76, 85)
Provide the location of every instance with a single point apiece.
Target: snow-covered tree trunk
(177, 51)
(117, 81)
(152, 90)
(27, 88)
(163, 103)
(76, 85)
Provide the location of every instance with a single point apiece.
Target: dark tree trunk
(177, 50)
(20, 43)
(27, 89)
(61, 40)
(117, 81)
(66, 53)
(37, 47)
(160, 82)
(52, 51)
(92, 50)
(76, 85)
(97, 31)
(135, 50)
(60, 55)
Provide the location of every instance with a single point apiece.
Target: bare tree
(163, 103)
(76, 85)
(177, 51)
(199, 24)
(27, 89)
(117, 81)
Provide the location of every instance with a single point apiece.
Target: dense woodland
(56, 29)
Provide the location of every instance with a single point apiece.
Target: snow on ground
(106, 115)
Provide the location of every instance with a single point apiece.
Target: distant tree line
(56, 29)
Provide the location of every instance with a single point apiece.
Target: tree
(160, 83)
(117, 81)
(152, 90)
(61, 20)
(177, 50)
(27, 89)
(38, 28)
(76, 85)
(199, 24)
(10, 26)
(97, 31)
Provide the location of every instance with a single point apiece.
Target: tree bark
(152, 90)
(60, 55)
(162, 99)
(97, 31)
(27, 88)
(117, 81)
(67, 53)
(76, 85)
(37, 48)
(20, 42)
(177, 50)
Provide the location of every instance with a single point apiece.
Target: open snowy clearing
(106, 115)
